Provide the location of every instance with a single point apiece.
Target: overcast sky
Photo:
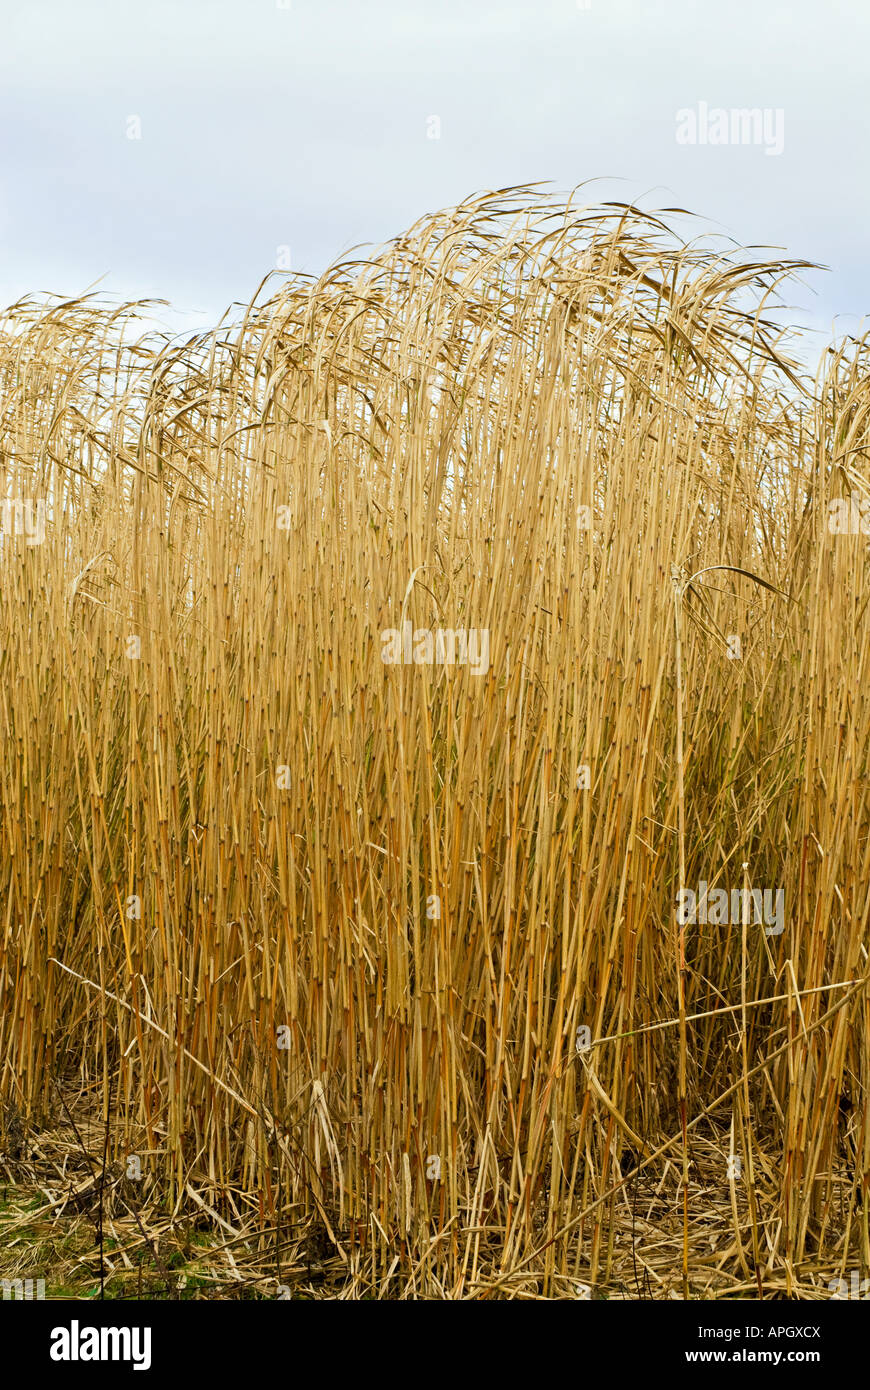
(307, 125)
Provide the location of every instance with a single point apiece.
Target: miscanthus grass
(350, 933)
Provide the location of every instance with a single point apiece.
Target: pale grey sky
(306, 126)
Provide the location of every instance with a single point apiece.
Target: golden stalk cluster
(393, 945)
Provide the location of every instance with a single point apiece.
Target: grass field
(379, 673)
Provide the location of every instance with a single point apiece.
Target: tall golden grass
(317, 932)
